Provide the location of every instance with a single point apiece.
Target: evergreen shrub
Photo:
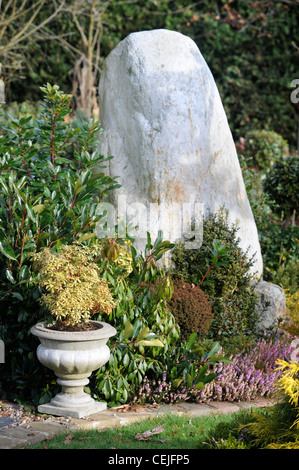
(263, 148)
(191, 309)
(49, 192)
(279, 429)
(280, 253)
(281, 184)
(228, 285)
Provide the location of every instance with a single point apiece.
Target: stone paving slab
(223, 408)
(194, 410)
(7, 421)
(7, 442)
(37, 431)
(48, 428)
(16, 437)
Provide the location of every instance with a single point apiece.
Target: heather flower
(250, 375)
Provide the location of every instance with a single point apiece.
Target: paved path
(19, 436)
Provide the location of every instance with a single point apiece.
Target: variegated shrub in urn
(73, 346)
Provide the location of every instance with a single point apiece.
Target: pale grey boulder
(271, 305)
(166, 127)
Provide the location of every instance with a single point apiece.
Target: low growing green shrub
(227, 284)
(232, 433)
(278, 236)
(279, 429)
(191, 309)
(280, 250)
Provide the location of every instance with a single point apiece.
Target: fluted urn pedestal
(73, 356)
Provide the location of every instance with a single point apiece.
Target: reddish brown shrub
(191, 309)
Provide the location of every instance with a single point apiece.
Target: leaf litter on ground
(68, 438)
(146, 435)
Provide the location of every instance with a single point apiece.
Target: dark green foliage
(250, 48)
(191, 309)
(146, 329)
(287, 273)
(278, 425)
(279, 247)
(282, 186)
(48, 196)
(227, 285)
(278, 236)
(232, 433)
(264, 148)
(189, 364)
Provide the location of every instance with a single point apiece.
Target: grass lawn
(174, 432)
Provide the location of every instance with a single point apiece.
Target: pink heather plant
(251, 375)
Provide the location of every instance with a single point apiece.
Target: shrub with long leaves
(51, 181)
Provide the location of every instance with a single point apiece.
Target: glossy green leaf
(151, 342)
(9, 276)
(86, 236)
(78, 187)
(7, 251)
(214, 350)
(177, 382)
(38, 208)
(143, 333)
(128, 330)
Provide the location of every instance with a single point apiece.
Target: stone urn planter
(73, 356)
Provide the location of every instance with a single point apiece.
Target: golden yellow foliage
(289, 382)
(74, 288)
(279, 429)
(292, 302)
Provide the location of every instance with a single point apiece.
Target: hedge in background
(264, 148)
(281, 184)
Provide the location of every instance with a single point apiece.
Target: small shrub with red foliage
(191, 309)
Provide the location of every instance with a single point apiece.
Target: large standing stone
(165, 125)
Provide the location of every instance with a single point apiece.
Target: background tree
(250, 46)
(86, 19)
(20, 20)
